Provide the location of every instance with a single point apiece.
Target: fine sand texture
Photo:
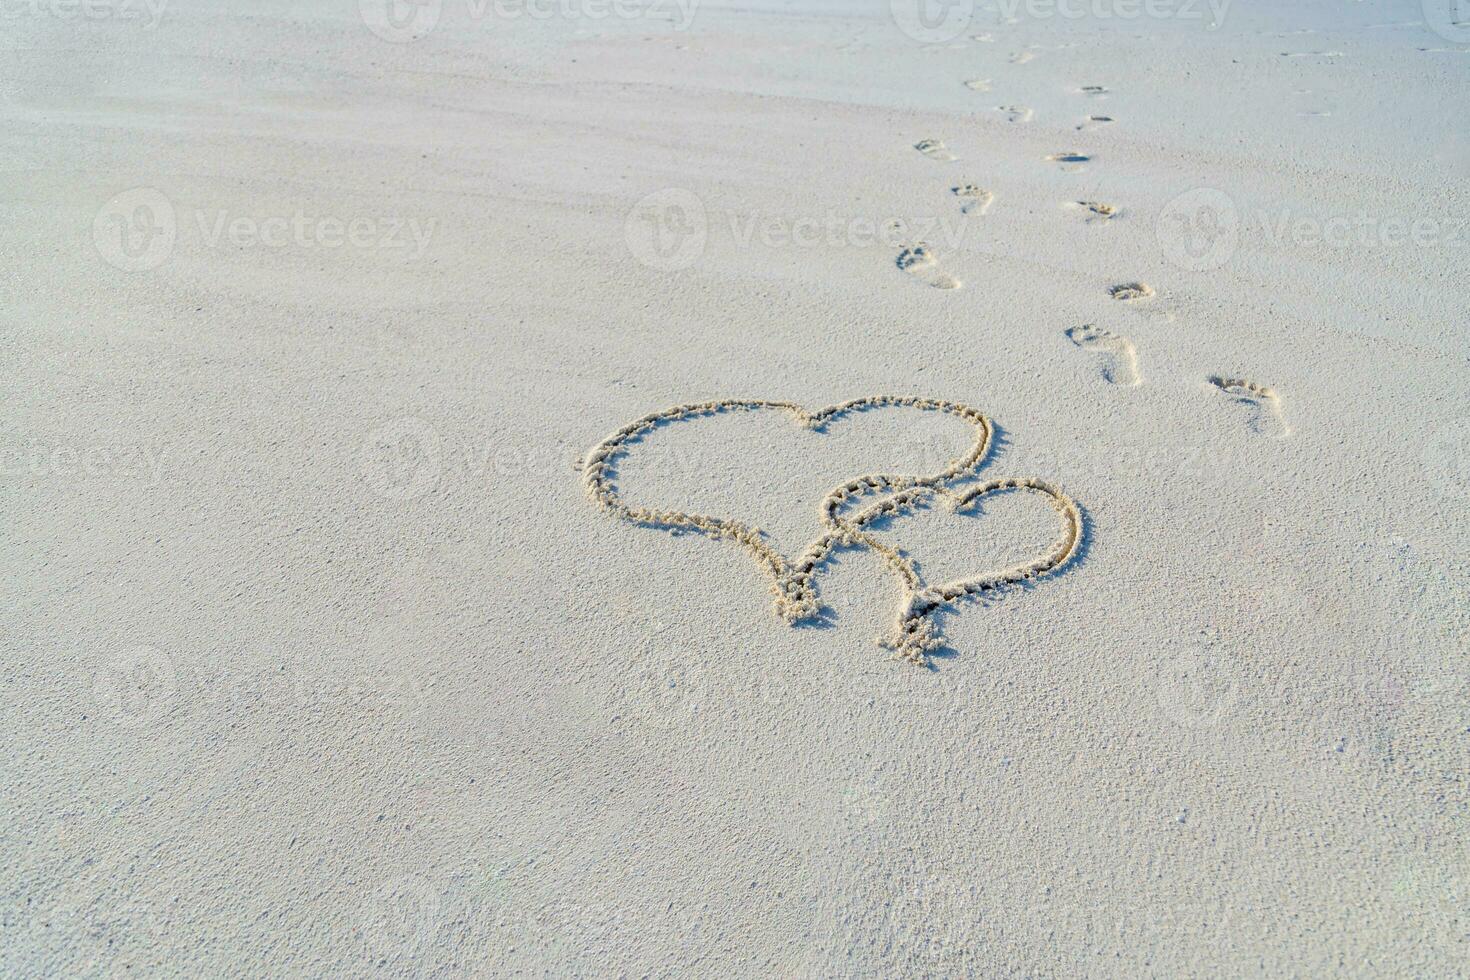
(762, 489)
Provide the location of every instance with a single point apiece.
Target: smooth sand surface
(320, 660)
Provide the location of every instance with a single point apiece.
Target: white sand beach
(354, 627)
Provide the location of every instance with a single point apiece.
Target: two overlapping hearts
(846, 514)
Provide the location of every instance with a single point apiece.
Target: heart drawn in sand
(792, 580)
(915, 633)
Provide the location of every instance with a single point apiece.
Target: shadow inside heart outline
(914, 632)
(792, 582)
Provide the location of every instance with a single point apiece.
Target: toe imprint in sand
(1094, 211)
(1129, 291)
(978, 84)
(1092, 122)
(1015, 113)
(1119, 356)
(1266, 417)
(920, 262)
(977, 199)
(934, 150)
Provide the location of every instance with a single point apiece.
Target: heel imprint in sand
(920, 262)
(1119, 356)
(1266, 416)
(793, 581)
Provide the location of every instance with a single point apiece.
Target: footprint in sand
(935, 150)
(1015, 113)
(1119, 356)
(1071, 161)
(1021, 57)
(1266, 417)
(1094, 211)
(1093, 90)
(1130, 291)
(978, 84)
(976, 199)
(920, 262)
(1092, 122)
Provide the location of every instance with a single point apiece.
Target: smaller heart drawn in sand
(914, 633)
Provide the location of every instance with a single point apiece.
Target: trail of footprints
(1116, 354)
